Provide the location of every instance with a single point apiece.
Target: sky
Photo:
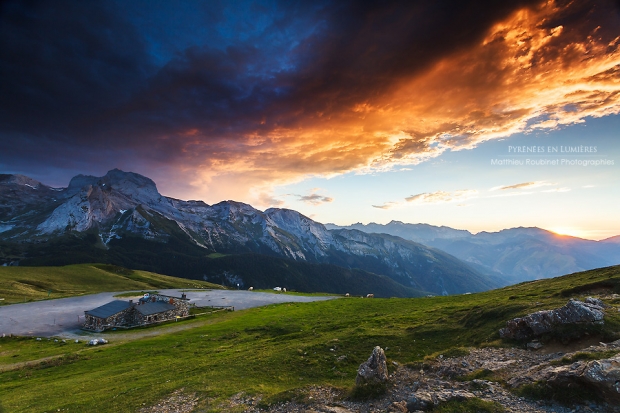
(478, 115)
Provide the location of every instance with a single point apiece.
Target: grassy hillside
(422, 268)
(179, 258)
(262, 271)
(271, 350)
(409, 265)
(19, 284)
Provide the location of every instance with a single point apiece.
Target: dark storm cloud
(355, 52)
(75, 71)
(62, 62)
(278, 90)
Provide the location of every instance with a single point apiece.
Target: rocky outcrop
(429, 384)
(426, 401)
(374, 370)
(600, 376)
(604, 375)
(541, 322)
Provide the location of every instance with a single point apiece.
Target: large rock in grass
(541, 322)
(374, 370)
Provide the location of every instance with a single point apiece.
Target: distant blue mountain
(514, 255)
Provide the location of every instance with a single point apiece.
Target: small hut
(153, 312)
(153, 308)
(114, 313)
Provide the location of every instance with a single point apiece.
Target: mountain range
(122, 219)
(514, 255)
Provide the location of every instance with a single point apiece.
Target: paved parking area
(64, 316)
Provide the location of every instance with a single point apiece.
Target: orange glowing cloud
(527, 74)
(538, 68)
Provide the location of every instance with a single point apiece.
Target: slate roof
(154, 308)
(109, 309)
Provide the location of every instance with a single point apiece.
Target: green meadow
(269, 352)
(20, 284)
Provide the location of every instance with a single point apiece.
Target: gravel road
(64, 316)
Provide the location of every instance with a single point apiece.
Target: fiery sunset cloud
(540, 67)
(229, 101)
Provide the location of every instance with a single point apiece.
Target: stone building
(152, 308)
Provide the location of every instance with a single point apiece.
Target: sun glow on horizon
(570, 231)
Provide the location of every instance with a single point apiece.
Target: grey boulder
(541, 322)
(374, 370)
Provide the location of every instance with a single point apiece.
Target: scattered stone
(398, 407)
(96, 341)
(177, 402)
(482, 385)
(374, 370)
(605, 375)
(541, 322)
(534, 345)
(428, 400)
(420, 401)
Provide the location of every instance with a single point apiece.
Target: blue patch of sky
(472, 170)
(538, 119)
(601, 133)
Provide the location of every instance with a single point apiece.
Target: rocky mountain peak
(80, 181)
(124, 182)
(612, 240)
(289, 215)
(96, 201)
(233, 211)
(17, 179)
(299, 225)
(132, 185)
(127, 179)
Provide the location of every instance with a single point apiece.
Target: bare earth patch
(177, 402)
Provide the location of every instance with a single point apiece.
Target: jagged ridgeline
(122, 219)
(514, 254)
